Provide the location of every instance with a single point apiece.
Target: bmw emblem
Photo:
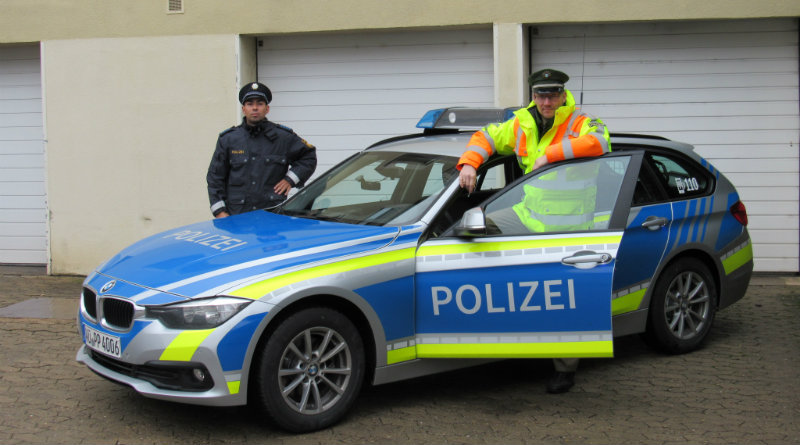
(107, 287)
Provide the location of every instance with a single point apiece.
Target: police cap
(548, 81)
(255, 90)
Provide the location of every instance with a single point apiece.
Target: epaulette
(284, 127)
(224, 132)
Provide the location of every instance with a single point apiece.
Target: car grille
(90, 302)
(118, 313)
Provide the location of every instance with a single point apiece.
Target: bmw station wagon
(384, 269)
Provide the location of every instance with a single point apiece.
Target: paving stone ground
(742, 387)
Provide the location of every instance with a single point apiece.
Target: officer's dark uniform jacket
(249, 160)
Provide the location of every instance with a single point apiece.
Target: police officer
(550, 129)
(532, 132)
(255, 164)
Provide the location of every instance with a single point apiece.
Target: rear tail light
(739, 212)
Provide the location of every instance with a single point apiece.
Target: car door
(670, 206)
(502, 289)
(642, 249)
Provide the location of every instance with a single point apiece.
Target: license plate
(102, 342)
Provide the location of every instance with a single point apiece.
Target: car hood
(192, 259)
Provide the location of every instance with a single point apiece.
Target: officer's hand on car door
(467, 178)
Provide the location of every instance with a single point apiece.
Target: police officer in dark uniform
(256, 163)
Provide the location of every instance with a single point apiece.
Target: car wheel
(310, 370)
(682, 307)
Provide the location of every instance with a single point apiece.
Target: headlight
(198, 314)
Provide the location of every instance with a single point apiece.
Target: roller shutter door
(728, 87)
(343, 92)
(23, 208)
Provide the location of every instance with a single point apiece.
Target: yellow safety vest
(562, 200)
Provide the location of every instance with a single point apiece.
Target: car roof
(454, 142)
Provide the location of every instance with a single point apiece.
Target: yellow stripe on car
(401, 355)
(627, 303)
(603, 348)
(258, 290)
(182, 347)
(738, 258)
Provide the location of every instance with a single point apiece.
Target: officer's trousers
(566, 364)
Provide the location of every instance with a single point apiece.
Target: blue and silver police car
(384, 269)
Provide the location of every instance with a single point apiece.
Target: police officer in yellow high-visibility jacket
(551, 129)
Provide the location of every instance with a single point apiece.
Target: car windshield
(377, 188)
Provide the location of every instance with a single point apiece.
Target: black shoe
(560, 382)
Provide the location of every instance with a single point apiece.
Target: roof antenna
(583, 68)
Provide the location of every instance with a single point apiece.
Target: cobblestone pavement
(742, 387)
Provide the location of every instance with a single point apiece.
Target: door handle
(654, 223)
(586, 259)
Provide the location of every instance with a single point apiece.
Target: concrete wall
(36, 20)
(131, 125)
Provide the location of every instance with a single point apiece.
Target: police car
(384, 269)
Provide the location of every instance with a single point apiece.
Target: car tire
(310, 370)
(682, 307)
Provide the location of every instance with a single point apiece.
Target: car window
(573, 196)
(375, 187)
(493, 177)
(681, 178)
(367, 183)
(647, 189)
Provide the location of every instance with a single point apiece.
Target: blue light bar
(464, 117)
(430, 118)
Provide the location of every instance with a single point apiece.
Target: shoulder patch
(224, 132)
(284, 127)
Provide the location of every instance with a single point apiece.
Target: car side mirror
(472, 224)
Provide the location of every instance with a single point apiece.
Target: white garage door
(343, 92)
(728, 87)
(23, 210)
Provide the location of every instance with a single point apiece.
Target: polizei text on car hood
(192, 260)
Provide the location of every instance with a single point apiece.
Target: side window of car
(498, 173)
(573, 196)
(494, 178)
(679, 178)
(647, 190)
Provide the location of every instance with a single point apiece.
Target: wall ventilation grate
(174, 6)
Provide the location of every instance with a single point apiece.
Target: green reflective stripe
(182, 347)
(601, 220)
(602, 216)
(627, 303)
(534, 243)
(604, 348)
(582, 219)
(401, 355)
(233, 387)
(258, 290)
(738, 258)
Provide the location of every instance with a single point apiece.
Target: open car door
(528, 274)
